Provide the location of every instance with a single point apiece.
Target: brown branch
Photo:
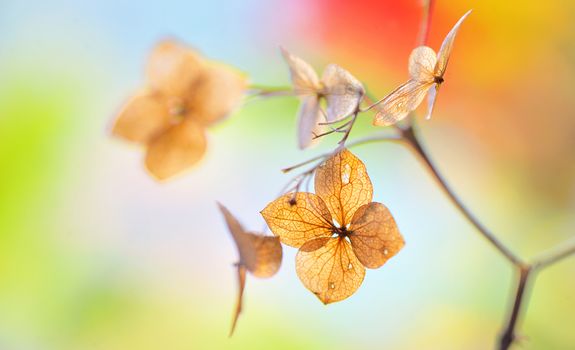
(508, 335)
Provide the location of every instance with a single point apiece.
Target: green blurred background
(96, 255)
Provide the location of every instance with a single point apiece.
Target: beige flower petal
(304, 78)
(143, 117)
(308, 118)
(175, 150)
(218, 91)
(375, 237)
(446, 47)
(343, 184)
(342, 91)
(400, 102)
(329, 269)
(298, 222)
(422, 63)
(173, 68)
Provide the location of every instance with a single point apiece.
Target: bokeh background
(96, 255)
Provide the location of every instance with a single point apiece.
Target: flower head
(339, 230)
(341, 90)
(426, 71)
(184, 95)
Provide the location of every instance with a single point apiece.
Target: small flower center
(342, 232)
(438, 80)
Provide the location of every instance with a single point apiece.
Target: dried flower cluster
(338, 230)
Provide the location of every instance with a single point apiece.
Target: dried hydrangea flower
(426, 71)
(339, 230)
(185, 94)
(341, 90)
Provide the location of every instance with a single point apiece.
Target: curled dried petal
(240, 300)
(175, 150)
(329, 269)
(142, 118)
(342, 91)
(260, 254)
(343, 184)
(263, 256)
(375, 237)
(296, 222)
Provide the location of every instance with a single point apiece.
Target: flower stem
(508, 336)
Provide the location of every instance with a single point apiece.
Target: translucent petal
(173, 68)
(303, 76)
(422, 63)
(329, 269)
(375, 237)
(296, 222)
(216, 93)
(400, 102)
(175, 150)
(431, 96)
(343, 184)
(308, 118)
(142, 118)
(342, 91)
(446, 47)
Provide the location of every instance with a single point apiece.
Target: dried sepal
(216, 93)
(260, 255)
(143, 117)
(329, 268)
(308, 117)
(375, 237)
(400, 102)
(343, 184)
(296, 220)
(422, 63)
(426, 70)
(342, 91)
(175, 150)
(446, 47)
(303, 77)
(173, 68)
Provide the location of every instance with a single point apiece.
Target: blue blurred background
(94, 254)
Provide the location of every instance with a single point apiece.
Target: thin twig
(508, 336)
(549, 258)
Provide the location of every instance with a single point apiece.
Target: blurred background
(94, 254)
